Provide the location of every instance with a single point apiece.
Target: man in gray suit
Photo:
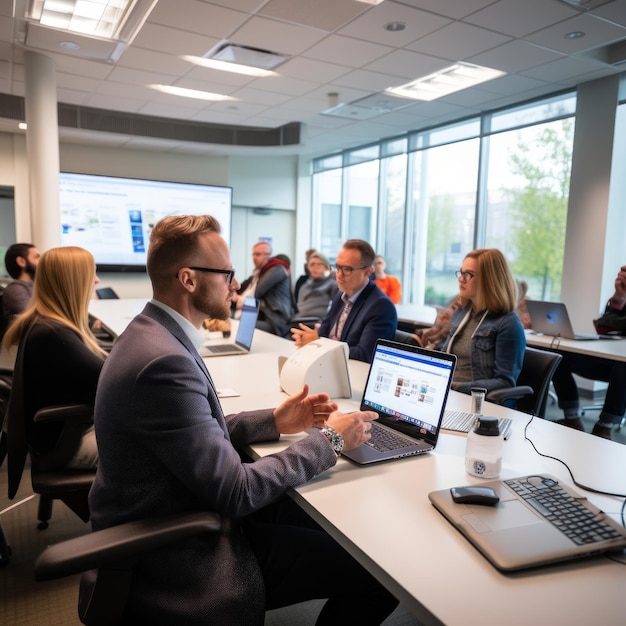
(166, 447)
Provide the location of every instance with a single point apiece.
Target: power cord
(578, 484)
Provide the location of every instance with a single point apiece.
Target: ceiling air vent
(245, 55)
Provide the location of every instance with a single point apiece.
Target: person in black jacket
(270, 283)
(613, 321)
(62, 358)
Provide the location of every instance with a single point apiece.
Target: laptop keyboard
(461, 421)
(384, 440)
(562, 510)
(223, 347)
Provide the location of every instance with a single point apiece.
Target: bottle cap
(488, 426)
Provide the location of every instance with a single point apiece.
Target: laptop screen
(247, 322)
(408, 387)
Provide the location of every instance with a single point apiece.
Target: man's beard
(30, 269)
(205, 302)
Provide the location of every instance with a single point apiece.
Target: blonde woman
(61, 357)
(485, 332)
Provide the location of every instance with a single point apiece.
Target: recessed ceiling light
(449, 80)
(370, 1)
(226, 66)
(22, 126)
(191, 93)
(395, 27)
(69, 45)
(577, 34)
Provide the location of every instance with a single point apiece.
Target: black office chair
(403, 336)
(6, 377)
(49, 477)
(530, 395)
(112, 552)
(106, 293)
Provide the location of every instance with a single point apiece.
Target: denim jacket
(497, 349)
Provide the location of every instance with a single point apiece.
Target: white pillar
(42, 144)
(587, 273)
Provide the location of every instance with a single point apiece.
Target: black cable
(578, 484)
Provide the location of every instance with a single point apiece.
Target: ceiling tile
(521, 18)
(458, 41)
(371, 25)
(324, 14)
(352, 52)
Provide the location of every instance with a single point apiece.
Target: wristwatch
(336, 440)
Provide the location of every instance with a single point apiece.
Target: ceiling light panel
(449, 80)
(99, 18)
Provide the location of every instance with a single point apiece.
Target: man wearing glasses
(360, 313)
(166, 447)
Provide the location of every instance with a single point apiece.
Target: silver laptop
(551, 318)
(525, 528)
(245, 333)
(408, 387)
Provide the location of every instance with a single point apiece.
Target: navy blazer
(165, 448)
(373, 316)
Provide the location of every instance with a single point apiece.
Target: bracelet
(617, 301)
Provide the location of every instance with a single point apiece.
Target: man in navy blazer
(369, 314)
(166, 448)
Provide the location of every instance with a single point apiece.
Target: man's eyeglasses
(229, 273)
(464, 276)
(346, 270)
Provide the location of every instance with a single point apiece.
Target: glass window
(392, 213)
(326, 223)
(362, 201)
(444, 206)
(527, 195)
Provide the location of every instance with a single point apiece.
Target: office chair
(403, 336)
(106, 293)
(530, 395)
(6, 376)
(49, 477)
(112, 552)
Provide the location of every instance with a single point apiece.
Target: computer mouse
(475, 495)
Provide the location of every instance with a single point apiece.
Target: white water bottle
(483, 453)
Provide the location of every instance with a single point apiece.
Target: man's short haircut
(263, 243)
(367, 252)
(173, 244)
(11, 256)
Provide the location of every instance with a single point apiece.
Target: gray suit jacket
(166, 447)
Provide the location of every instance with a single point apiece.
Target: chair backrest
(537, 372)
(402, 336)
(106, 293)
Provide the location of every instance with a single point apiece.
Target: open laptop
(408, 387)
(245, 333)
(551, 318)
(515, 535)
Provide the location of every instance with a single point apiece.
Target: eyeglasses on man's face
(346, 270)
(464, 276)
(229, 273)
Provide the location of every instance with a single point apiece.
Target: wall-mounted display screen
(112, 217)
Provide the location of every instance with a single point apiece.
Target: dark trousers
(611, 372)
(300, 562)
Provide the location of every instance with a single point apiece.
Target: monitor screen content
(112, 217)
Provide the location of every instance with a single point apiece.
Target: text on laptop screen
(408, 387)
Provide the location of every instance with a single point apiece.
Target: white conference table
(381, 513)
(612, 349)
(411, 316)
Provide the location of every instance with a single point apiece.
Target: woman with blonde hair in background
(61, 357)
(485, 331)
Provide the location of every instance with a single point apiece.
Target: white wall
(269, 182)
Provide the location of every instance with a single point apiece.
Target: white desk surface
(613, 349)
(418, 314)
(381, 513)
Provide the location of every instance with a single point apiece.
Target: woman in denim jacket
(485, 332)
